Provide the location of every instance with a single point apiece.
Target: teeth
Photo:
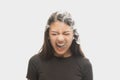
(59, 45)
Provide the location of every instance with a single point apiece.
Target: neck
(68, 54)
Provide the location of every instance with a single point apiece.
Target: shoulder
(35, 59)
(85, 68)
(83, 61)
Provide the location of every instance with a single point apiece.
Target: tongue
(60, 48)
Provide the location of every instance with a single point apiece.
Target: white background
(22, 24)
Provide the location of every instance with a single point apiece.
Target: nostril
(60, 38)
(60, 42)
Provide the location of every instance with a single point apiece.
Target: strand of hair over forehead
(65, 15)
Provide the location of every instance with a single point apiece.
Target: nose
(60, 38)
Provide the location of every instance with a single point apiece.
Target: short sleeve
(87, 70)
(32, 70)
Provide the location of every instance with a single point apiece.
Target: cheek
(52, 40)
(70, 40)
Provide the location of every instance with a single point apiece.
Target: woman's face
(61, 37)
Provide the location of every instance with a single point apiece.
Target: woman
(60, 57)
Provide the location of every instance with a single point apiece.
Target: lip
(60, 47)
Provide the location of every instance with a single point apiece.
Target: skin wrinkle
(60, 57)
(61, 35)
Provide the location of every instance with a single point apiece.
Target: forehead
(60, 26)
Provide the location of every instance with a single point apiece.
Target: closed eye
(53, 34)
(66, 34)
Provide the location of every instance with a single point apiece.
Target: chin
(60, 53)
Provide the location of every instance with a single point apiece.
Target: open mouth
(61, 46)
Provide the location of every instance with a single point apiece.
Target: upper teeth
(59, 45)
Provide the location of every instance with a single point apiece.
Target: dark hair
(47, 50)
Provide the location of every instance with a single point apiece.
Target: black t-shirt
(70, 68)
